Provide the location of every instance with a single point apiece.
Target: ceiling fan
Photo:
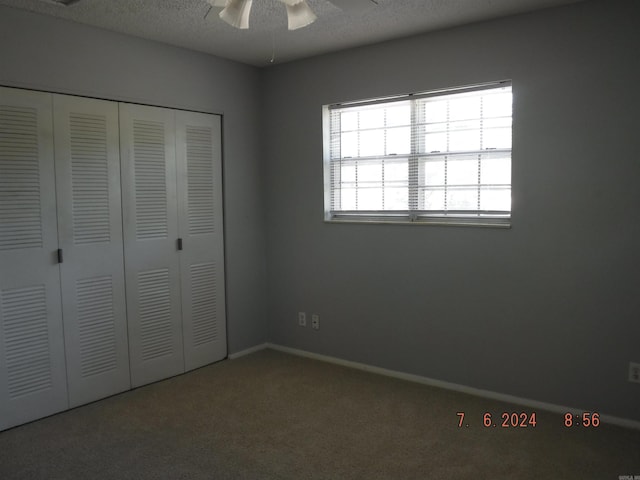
(236, 12)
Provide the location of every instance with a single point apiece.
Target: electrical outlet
(302, 319)
(315, 321)
(634, 372)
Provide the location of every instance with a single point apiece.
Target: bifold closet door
(87, 161)
(198, 150)
(151, 242)
(32, 359)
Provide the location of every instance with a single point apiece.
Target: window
(437, 157)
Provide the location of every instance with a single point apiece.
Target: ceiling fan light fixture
(299, 15)
(236, 13)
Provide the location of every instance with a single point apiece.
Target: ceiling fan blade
(300, 15)
(236, 13)
(354, 5)
(218, 3)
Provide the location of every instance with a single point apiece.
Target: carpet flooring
(271, 415)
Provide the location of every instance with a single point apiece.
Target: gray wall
(40, 52)
(548, 310)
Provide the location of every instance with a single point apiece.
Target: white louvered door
(90, 236)
(198, 153)
(150, 239)
(32, 359)
(111, 249)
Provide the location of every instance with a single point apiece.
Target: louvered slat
(200, 180)
(155, 314)
(26, 336)
(150, 180)
(96, 325)
(89, 178)
(204, 302)
(20, 215)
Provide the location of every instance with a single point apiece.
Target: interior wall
(41, 52)
(548, 310)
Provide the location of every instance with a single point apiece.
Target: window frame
(415, 216)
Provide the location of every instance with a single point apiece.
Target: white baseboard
(550, 407)
(248, 351)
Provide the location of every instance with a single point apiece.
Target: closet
(111, 249)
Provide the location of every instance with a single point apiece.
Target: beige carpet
(270, 415)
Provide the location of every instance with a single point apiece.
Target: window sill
(434, 222)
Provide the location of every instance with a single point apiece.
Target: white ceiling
(341, 23)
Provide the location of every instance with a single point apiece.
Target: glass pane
(369, 172)
(461, 123)
(371, 143)
(462, 171)
(435, 142)
(399, 115)
(435, 127)
(396, 198)
(349, 120)
(370, 198)
(495, 199)
(435, 111)
(497, 105)
(349, 145)
(372, 118)
(497, 122)
(398, 141)
(432, 199)
(433, 171)
(495, 170)
(465, 125)
(464, 140)
(396, 171)
(464, 108)
(497, 138)
(348, 197)
(462, 199)
(348, 173)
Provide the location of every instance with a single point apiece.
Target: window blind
(426, 157)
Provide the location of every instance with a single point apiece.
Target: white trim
(431, 93)
(414, 151)
(437, 221)
(502, 397)
(248, 351)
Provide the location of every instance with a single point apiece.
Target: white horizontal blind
(428, 157)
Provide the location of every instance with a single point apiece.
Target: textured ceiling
(341, 23)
